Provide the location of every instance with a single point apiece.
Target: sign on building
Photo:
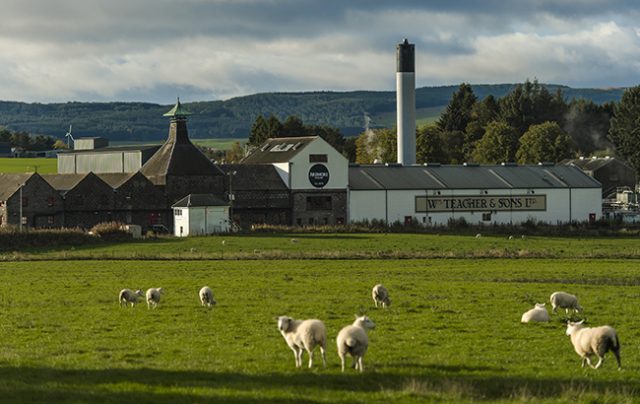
(471, 203)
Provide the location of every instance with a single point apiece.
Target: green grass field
(452, 333)
(216, 143)
(28, 165)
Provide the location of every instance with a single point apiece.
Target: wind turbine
(69, 136)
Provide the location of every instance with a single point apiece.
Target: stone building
(611, 172)
(31, 197)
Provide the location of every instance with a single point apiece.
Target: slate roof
(396, 177)
(115, 180)
(254, 177)
(178, 156)
(198, 200)
(64, 182)
(10, 183)
(593, 164)
(278, 150)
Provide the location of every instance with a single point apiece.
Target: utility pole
(231, 197)
(20, 218)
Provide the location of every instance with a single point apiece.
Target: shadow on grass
(30, 384)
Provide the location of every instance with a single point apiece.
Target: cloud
(148, 50)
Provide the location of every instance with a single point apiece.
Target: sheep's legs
(360, 364)
(324, 356)
(310, 352)
(590, 364)
(296, 356)
(600, 362)
(584, 360)
(342, 361)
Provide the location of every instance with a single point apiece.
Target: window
(299, 221)
(325, 220)
(340, 220)
(311, 221)
(24, 220)
(318, 158)
(319, 202)
(25, 201)
(79, 200)
(50, 220)
(486, 217)
(50, 201)
(177, 212)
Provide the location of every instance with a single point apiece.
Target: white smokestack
(406, 102)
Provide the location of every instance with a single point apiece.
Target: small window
(319, 202)
(340, 220)
(178, 212)
(318, 158)
(50, 201)
(486, 217)
(50, 220)
(25, 201)
(311, 221)
(326, 220)
(299, 221)
(24, 220)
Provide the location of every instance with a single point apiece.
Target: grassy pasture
(343, 246)
(28, 165)
(451, 334)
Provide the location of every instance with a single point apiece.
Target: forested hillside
(233, 118)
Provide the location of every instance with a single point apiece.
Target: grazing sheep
(224, 242)
(565, 301)
(153, 297)
(538, 314)
(380, 295)
(304, 335)
(206, 296)
(594, 341)
(127, 296)
(478, 235)
(353, 340)
(294, 241)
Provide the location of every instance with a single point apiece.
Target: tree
(544, 142)
(293, 127)
(625, 127)
(499, 144)
(60, 145)
(259, 131)
(235, 153)
(588, 125)
(429, 145)
(452, 146)
(274, 127)
(458, 112)
(376, 145)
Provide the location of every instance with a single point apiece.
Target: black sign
(318, 175)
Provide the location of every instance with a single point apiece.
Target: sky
(202, 50)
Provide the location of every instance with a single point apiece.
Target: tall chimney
(406, 102)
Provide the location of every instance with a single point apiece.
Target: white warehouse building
(497, 194)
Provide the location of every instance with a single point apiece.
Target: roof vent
(509, 164)
(465, 164)
(265, 147)
(295, 146)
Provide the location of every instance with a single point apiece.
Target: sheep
(294, 241)
(538, 314)
(353, 340)
(153, 297)
(380, 294)
(565, 301)
(304, 335)
(478, 235)
(127, 296)
(594, 341)
(206, 297)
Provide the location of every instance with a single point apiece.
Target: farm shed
(200, 214)
(126, 159)
(500, 194)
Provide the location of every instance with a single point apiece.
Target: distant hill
(233, 118)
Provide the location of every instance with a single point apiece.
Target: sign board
(475, 203)
(319, 175)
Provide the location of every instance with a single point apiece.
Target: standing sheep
(538, 314)
(380, 294)
(594, 341)
(304, 335)
(206, 296)
(127, 296)
(565, 301)
(353, 340)
(153, 297)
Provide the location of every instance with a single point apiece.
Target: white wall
(197, 221)
(337, 165)
(394, 205)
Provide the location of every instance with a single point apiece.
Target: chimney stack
(406, 102)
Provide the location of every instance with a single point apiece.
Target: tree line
(528, 125)
(25, 141)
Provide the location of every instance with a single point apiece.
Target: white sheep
(353, 340)
(153, 297)
(206, 296)
(594, 341)
(380, 294)
(127, 296)
(538, 314)
(304, 335)
(565, 301)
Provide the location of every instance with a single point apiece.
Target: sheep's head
(387, 301)
(573, 327)
(284, 323)
(139, 292)
(540, 305)
(579, 308)
(364, 322)
(161, 291)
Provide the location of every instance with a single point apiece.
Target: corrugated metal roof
(117, 149)
(593, 164)
(278, 150)
(64, 182)
(196, 200)
(372, 177)
(115, 180)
